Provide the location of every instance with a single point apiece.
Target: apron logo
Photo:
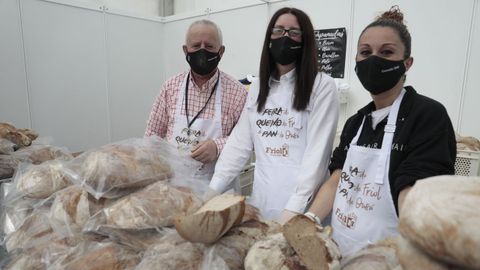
(277, 152)
(348, 220)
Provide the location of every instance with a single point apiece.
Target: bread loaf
(34, 226)
(273, 253)
(152, 207)
(411, 257)
(9, 132)
(72, 207)
(379, 256)
(212, 220)
(173, 253)
(41, 181)
(315, 248)
(39, 153)
(114, 169)
(440, 216)
(26, 261)
(107, 257)
(6, 147)
(233, 247)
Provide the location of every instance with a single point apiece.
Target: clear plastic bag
(117, 169)
(71, 208)
(38, 153)
(42, 180)
(104, 256)
(171, 253)
(152, 207)
(6, 147)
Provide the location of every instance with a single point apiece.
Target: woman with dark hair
(398, 138)
(289, 119)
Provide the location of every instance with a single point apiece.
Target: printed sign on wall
(332, 45)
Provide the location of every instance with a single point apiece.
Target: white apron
(279, 143)
(185, 138)
(363, 211)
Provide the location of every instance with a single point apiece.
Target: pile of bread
(118, 207)
(115, 207)
(20, 146)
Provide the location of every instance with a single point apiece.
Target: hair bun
(393, 14)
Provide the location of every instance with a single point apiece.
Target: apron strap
(390, 127)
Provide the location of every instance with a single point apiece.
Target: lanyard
(189, 124)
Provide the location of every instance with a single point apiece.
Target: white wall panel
(470, 125)
(174, 39)
(135, 72)
(243, 41)
(65, 54)
(13, 84)
(439, 45)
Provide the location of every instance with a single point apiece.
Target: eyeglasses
(277, 31)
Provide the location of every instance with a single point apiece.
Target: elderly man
(197, 110)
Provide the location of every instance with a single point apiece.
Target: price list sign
(332, 44)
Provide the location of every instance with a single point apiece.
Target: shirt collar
(206, 86)
(287, 77)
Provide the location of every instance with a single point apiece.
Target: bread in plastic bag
(35, 154)
(34, 226)
(173, 253)
(105, 256)
(152, 207)
(38, 153)
(6, 147)
(42, 180)
(72, 207)
(25, 261)
(114, 170)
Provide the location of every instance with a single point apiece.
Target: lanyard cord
(189, 124)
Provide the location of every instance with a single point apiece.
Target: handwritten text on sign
(332, 44)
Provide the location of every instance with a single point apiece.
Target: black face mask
(378, 74)
(202, 61)
(285, 50)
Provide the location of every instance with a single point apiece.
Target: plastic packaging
(152, 207)
(117, 169)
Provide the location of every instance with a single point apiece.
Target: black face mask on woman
(285, 50)
(378, 74)
(202, 61)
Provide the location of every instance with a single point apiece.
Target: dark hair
(394, 19)
(306, 64)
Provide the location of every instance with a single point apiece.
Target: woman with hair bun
(398, 138)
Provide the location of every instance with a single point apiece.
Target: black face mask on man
(285, 50)
(202, 61)
(378, 74)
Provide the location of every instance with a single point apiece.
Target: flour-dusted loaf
(411, 257)
(314, 246)
(273, 253)
(212, 220)
(440, 216)
(41, 181)
(113, 170)
(379, 256)
(152, 207)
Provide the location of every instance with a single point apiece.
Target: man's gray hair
(207, 23)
